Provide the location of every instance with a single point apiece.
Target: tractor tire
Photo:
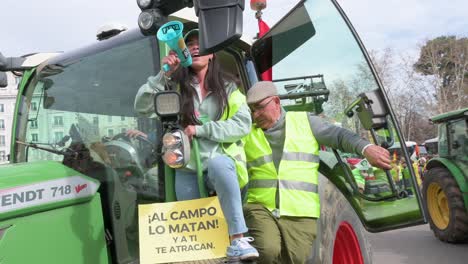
(341, 238)
(443, 202)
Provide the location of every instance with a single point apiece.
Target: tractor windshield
(89, 99)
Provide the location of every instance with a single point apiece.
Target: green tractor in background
(445, 186)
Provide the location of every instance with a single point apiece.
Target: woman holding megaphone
(215, 111)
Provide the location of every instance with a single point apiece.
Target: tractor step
(219, 261)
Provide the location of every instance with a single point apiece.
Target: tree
(407, 92)
(342, 97)
(445, 59)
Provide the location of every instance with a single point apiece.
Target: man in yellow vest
(360, 173)
(282, 159)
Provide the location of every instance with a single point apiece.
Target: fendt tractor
(71, 191)
(445, 185)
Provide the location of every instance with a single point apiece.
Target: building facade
(7, 108)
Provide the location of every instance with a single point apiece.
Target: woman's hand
(173, 61)
(190, 131)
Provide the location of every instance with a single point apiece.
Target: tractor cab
(75, 115)
(445, 185)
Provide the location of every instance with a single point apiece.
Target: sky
(57, 25)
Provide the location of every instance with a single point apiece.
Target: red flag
(262, 29)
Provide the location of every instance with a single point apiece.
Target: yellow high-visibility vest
(296, 181)
(236, 150)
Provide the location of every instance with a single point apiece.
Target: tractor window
(442, 144)
(459, 140)
(230, 65)
(89, 100)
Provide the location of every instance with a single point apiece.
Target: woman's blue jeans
(220, 177)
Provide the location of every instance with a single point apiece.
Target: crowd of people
(364, 173)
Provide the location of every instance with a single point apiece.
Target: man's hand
(378, 157)
(133, 133)
(190, 131)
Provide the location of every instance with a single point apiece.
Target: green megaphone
(171, 34)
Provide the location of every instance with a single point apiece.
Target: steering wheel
(127, 138)
(132, 160)
(144, 148)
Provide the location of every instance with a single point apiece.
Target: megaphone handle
(166, 67)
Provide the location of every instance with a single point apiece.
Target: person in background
(282, 158)
(395, 171)
(406, 182)
(415, 164)
(361, 172)
(214, 111)
(422, 167)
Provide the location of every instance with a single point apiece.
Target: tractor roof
(449, 115)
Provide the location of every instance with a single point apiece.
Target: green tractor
(75, 180)
(445, 185)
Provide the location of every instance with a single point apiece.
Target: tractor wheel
(448, 217)
(341, 237)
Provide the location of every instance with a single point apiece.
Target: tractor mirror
(48, 100)
(3, 80)
(220, 23)
(371, 110)
(372, 113)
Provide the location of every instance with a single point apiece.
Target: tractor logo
(80, 187)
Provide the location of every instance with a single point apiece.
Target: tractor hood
(29, 188)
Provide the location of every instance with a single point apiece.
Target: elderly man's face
(266, 112)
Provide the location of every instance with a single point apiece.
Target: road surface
(415, 245)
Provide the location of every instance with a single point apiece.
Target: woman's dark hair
(215, 81)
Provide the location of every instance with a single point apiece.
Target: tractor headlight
(170, 140)
(176, 149)
(144, 4)
(145, 20)
(150, 20)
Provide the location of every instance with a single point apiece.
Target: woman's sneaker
(241, 248)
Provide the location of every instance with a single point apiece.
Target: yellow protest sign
(182, 231)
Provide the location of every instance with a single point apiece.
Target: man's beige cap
(260, 91)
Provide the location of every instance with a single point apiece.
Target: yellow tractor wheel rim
(437, 205)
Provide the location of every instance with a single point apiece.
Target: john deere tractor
(445, 186)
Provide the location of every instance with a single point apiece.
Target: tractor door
(319, 65)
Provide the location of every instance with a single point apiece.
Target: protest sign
(182, 231)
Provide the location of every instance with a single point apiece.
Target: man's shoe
(241, 248)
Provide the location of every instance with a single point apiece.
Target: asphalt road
(415, 245)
